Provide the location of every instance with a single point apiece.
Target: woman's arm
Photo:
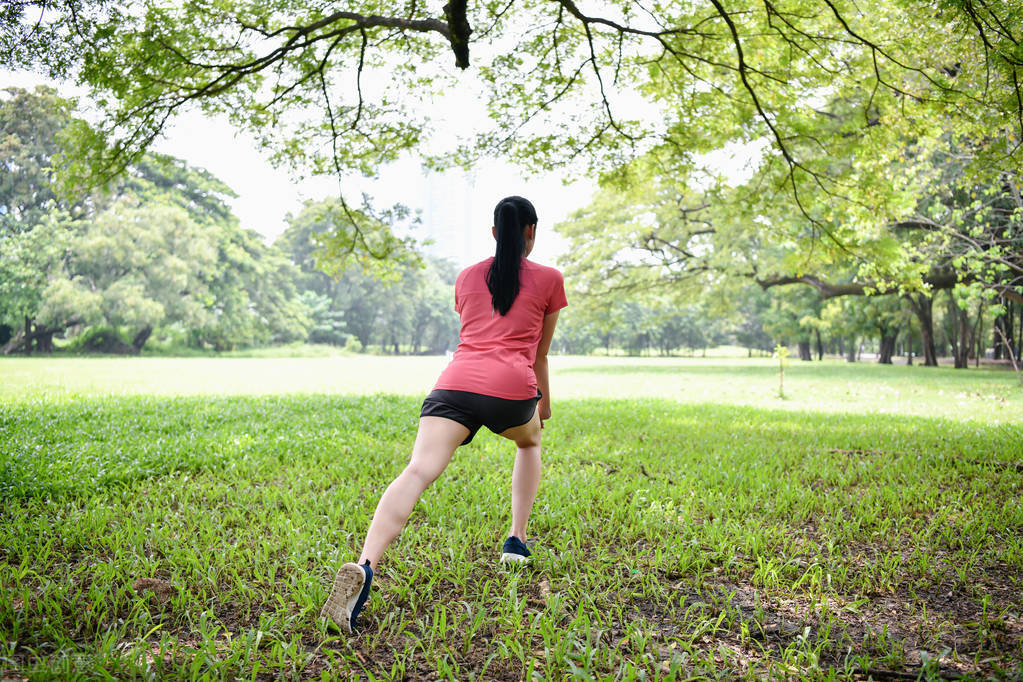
(540, 366)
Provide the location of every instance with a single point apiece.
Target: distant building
(447, 216)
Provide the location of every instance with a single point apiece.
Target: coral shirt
(496, 352)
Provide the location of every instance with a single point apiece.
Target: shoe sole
(347, 587)
(512, 558)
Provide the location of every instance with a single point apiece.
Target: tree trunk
(850, 354)
(44, 341)
(922, 305)
(820, 345)
(841, 345)
(909, 342)
(1019, 334)
(961, 343)
(804, 351)
(996, 339)
(141, 338)
(887, 349)
(44, 335)
(977, 337)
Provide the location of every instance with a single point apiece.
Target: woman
(497, 378)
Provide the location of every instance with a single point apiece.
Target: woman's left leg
(525, 473)
(435, 443)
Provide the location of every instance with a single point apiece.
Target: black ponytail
(511, 216)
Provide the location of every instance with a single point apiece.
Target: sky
(456, 206)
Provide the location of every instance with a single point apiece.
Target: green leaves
(401, 300)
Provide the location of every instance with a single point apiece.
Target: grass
(989, 396)
(183, 519)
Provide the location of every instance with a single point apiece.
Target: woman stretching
(497, 378)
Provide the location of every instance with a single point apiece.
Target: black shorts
(473, 410)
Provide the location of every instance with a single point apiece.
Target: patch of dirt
(758, 625)
(158, 591)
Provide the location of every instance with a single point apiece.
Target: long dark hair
(511, 215)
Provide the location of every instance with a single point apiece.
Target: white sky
(266, 195)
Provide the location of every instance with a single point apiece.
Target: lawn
(183, 518)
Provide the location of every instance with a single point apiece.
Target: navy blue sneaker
(349, 595)
(515, 552)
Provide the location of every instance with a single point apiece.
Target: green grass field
(183, 518)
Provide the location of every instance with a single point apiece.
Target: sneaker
(515, 552)
(349, 594)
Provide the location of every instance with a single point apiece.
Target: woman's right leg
(435, 443)
(525, 473)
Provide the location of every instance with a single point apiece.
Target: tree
(253, 297)
(133, 266)
(27, 261)
(158, 246)
(30, 127)
(749, 331)
(324, 88)
(792, 319)
(327, 325)
(656, 231)
(576, 334)
(410, 305)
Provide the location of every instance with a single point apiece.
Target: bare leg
(435, 443)
(525, 474)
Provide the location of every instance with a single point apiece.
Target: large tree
(158, 246)
(32, 239)
(944, 228)
(338, 90)
(411, 306)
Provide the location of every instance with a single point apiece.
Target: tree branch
(936, 279)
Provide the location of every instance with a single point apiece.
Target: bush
(102, 340)
(353, 345)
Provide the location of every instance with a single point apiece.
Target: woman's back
(496, 352)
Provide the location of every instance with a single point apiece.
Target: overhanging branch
(936, 279)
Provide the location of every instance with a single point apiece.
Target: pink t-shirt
(496, 352)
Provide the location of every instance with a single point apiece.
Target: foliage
(327, 324)
(749, 332)
(385, 303)
(850, 106)
(254, 297)
(26, 261)
(792, 315)
(30, 127)
(160, 246)
(99, 339)
(133, 266)
(949, 229)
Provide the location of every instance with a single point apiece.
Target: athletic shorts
(473, 410)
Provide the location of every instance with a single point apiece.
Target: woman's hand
(544, 408)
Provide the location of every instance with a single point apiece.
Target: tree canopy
(846, 94)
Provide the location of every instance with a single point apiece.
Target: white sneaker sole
(347, 587)
(512, 558)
